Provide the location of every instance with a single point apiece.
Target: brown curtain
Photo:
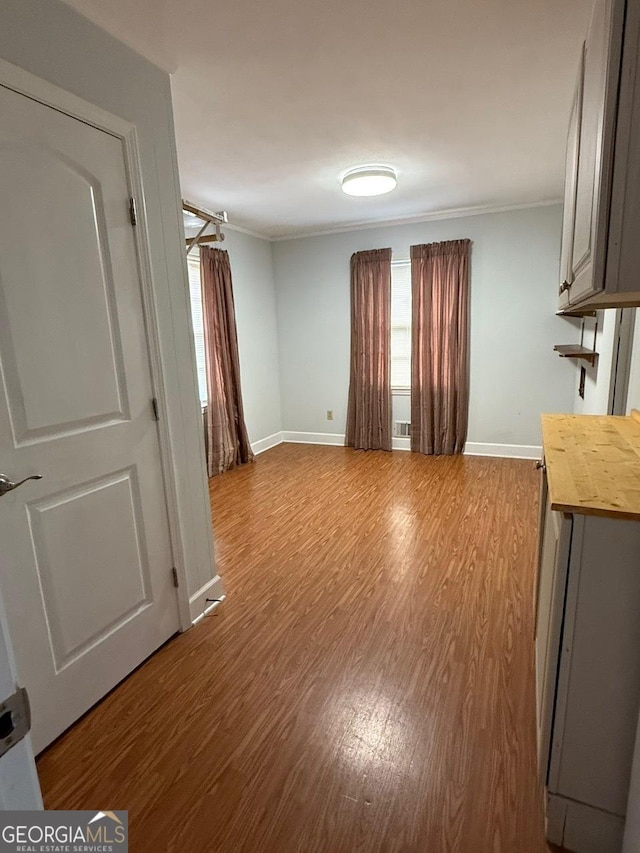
(369, 411)
(227, 440)
(440, 347)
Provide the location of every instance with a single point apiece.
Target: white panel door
(86, 557)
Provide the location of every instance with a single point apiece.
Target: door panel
(592, 95)
(87, 571)
(60, 562)
(571, 174)
(83, 383)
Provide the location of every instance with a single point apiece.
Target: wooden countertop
(593, 464)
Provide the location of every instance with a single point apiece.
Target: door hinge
(154, 406)
(133, 216)
(174, 575)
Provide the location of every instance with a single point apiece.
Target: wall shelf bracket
(579, 350)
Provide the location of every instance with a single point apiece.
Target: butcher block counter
(593, 464)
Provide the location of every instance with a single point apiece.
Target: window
(401, 324)
(195, 292)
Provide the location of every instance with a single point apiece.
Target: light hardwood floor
(368, 685)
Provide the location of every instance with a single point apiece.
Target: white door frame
(19, 783)
(25, 83)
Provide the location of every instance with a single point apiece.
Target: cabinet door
(571, 179)
(598, 695)
(601, 71)
(552, 582)
(623, 251)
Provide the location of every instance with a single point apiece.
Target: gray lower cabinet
(587, 674)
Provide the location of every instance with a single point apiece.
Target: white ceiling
(273, 100)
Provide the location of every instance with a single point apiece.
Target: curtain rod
(220, 216)
(209, 218)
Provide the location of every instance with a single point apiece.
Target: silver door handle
(6, 485)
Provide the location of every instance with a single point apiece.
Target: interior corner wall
(254, 295)
(601, 335)
(515, 374)
(54, 42)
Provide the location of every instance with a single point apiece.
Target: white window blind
(401, 324)
(195, 292)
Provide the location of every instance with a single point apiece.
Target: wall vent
(402, 429)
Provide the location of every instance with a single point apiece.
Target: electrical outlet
(329, 414)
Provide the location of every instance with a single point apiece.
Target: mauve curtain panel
(369, 410)
(440, 347)
(226, 432)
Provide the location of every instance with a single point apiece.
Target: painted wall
(256, 319)
(515, 375)
(599, 377)
(55, 43)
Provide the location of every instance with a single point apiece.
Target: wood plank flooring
(366, 688)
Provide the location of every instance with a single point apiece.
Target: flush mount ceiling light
(369, 180)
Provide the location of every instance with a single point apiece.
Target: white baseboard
(472, 448)
(508, 451)
(267, 443)
(209, 609)
(401, 443)
(332, 438)
(582, 828)
(198, 603)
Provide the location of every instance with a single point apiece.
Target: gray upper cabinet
(602, 150)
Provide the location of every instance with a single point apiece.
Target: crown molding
(451, 213)
(242, 230)
(229, 225)
(367, 225)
